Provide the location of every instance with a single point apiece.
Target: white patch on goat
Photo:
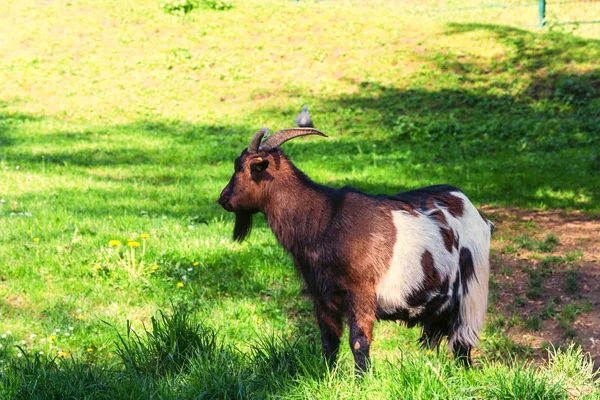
(474, 234)
(414, 236)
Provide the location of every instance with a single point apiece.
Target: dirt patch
(545, 278)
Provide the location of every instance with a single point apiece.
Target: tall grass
(176, 357)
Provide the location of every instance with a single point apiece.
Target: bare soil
(569, 275)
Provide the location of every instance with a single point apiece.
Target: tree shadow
(534, 146)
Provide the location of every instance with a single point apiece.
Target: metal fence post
(542, 13)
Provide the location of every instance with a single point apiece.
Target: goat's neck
(298, 212)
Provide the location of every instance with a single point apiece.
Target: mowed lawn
(119, 125)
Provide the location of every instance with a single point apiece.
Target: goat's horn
(282, 136)
(255, 142)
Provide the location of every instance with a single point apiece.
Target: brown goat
(420, 256)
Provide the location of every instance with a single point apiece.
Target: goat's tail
(475, 273)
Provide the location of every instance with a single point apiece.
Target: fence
(581, 15)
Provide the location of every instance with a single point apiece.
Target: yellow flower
(62, 354)
(154, 267)
(89, 350)
(36, 240)
(132, 243)
(196, 264)
(97, 267)
(114, 243)
(144, 236)
(110, 217)
(180, 284)
(80, 317)
(52, 337)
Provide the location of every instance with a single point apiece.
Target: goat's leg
(462, 353)
(361, 320)
(331, 329)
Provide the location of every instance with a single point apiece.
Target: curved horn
(255, 142)
(282, 136)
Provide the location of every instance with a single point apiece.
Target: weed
(572, 281)
(550, 311)
(534, 322)
(573, 256)
(520, 301)
(535, 285)
(182, 7)
(549, 244)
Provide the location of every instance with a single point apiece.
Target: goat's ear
(258, 167)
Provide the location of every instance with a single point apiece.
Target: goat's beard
(243, 225)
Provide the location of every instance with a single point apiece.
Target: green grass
(118, 119)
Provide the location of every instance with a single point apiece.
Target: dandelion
(154, 267)
(89, 350)
(196, 264)
(52, 337)
(144, 236)
(114, 243)
(36, 240)
(62, 354)
(133, 243)
(80, 317)
(180, 284)
(110, 217)
(96, 267)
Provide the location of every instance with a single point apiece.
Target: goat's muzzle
(224, 199)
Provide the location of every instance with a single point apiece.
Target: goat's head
(255, 171)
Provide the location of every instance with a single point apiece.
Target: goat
(420, 256)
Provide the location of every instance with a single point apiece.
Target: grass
(118, 120)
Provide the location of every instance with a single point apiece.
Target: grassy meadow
(119, 124)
